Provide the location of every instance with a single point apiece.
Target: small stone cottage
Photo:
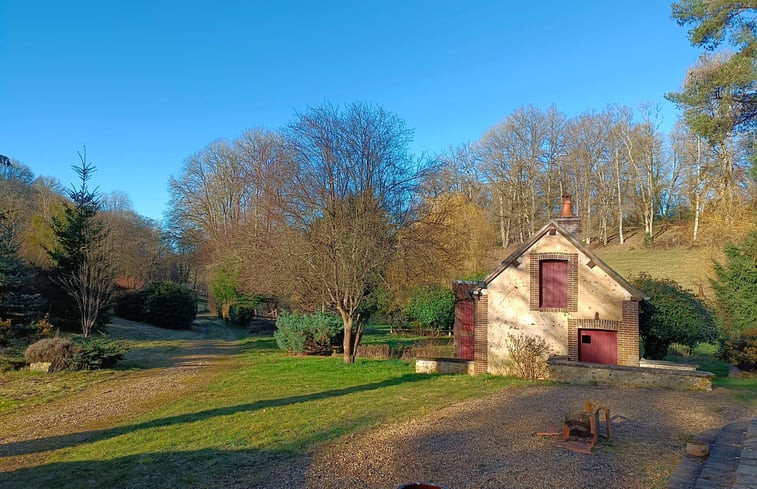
(554, 287)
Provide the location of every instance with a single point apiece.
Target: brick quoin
(628, 335)
(481, 340)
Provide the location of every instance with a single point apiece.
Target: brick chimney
(567, 220)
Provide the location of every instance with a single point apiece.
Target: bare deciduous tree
(91, 283)
(347, 202)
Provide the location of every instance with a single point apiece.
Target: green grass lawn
(744, 389)
(260, 409)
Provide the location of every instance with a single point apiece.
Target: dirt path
(491, 443)
(104, 405)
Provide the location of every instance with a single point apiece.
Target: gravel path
(26, 435)
(490, 443)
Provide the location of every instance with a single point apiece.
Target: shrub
(311, 334)
(170, 305)
(740, 350)
(397, 319)
(223, 287)
(528, 356)
(6, 333)
(78, 353)
(243, 311)
(375, 352)
(671, 315)
(432, 306)
(24, 332)
(131, 305)
(164, 304)
(96, 353)
(57, 351)
(424, 349)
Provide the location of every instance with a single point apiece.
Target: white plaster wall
(509, 310)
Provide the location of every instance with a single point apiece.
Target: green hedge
(164, 304)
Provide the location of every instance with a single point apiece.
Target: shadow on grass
(63, 441)
(198, 468)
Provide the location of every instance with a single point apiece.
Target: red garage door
(598, 346)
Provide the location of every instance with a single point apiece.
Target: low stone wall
(443, 366)
(562, 370)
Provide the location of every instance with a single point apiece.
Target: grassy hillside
(692, 268)
(672, 256)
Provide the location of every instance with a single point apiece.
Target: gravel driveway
(491, 443)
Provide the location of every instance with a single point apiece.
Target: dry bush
(528, 355)
(57, 351)
(376, 352)
(424, 349)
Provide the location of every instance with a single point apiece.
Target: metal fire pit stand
(580, 432)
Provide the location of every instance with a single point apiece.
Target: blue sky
(146, 84)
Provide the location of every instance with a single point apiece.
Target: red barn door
(598, 346)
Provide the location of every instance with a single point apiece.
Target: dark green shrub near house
(432, 306)
(310, 334)
(671, 315)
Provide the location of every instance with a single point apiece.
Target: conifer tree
(736, 286)
(83, 266)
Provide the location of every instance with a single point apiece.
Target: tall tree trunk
(347, 343)
(620, 198)
(697, 189)
(502, 233)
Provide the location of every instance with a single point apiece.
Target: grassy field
(692, 268)
(259, 409)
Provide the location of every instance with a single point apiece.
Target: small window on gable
(553, 283)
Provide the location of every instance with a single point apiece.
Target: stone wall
(563, 370)
(443, 366)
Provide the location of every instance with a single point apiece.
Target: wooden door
(553, 283)
(464, 327)
(598, 346)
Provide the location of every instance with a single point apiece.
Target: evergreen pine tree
(736, 286)
(82, 264)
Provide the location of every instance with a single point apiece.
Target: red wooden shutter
(553, 283)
